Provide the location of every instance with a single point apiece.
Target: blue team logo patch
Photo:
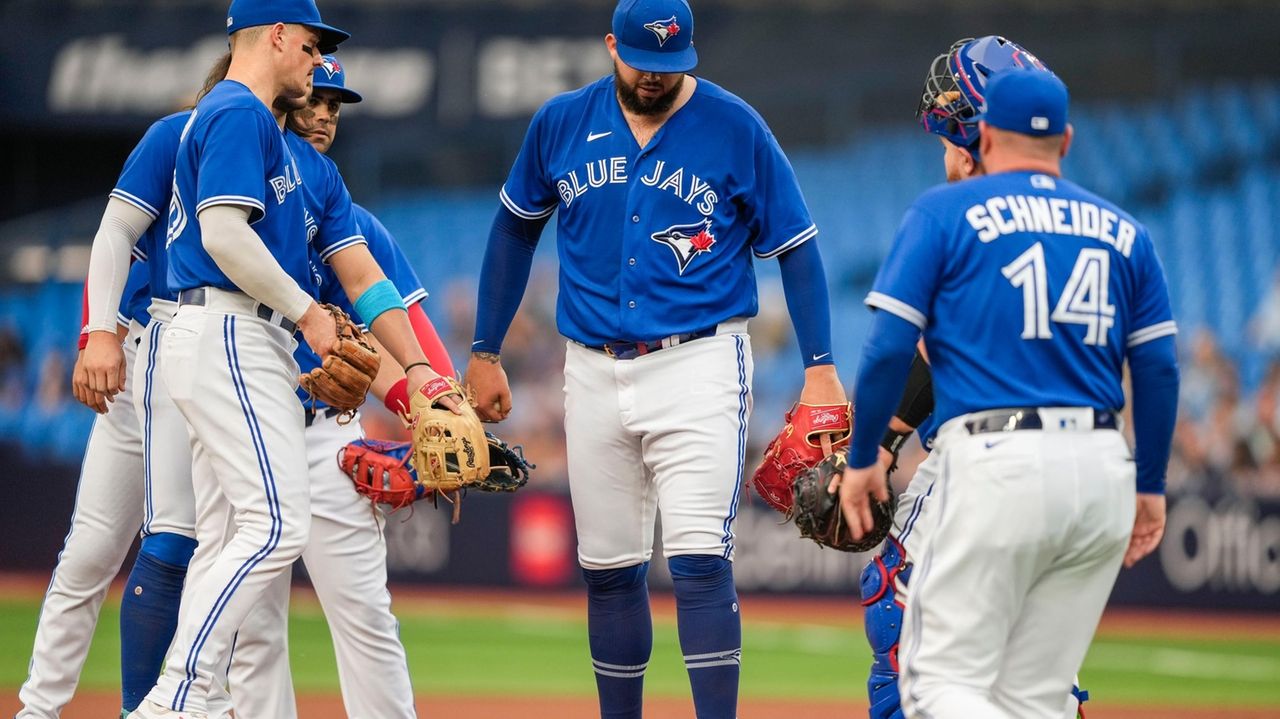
(330, 66)
(664, 29)
(687, 241)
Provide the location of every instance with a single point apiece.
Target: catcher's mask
(955, 88)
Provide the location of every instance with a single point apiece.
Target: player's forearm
(508, 259)
(1154, 375)
(390, 375)
(432, 346)
(882, 373)
(121, 226)
(917, 399)
(804, 283)
(246, 261)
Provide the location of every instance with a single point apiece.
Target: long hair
(217, 74)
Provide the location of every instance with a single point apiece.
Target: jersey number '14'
(1083, 301)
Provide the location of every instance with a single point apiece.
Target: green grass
(544, 653)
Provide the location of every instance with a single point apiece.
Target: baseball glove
(818, 515)
(342, 380)
(810, 432)
(383, 471)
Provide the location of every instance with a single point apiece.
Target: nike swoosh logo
(592, 137)
(473, 344)
(818, 357)
(989, 445)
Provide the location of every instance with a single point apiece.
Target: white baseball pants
(108, 511)
(346, 558)
(666, 430)
(232, 375)
(1012, 578)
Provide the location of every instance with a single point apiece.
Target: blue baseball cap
(655, 35)
(251, 13)
(1027, 102)
(331, 76)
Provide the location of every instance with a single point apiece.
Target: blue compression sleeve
(1153, 371)
(504, 276)
(882, 375)
(804, 282)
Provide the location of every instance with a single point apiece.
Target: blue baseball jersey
(136, 298)
(327, 200)
(146, 182)
(233, 152)
(656, 241)
(1029, 290)
(394, 264)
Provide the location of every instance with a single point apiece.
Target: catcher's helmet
(956, 84)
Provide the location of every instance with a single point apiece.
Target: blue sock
(710, 631)
(620, 631)
(149, 612)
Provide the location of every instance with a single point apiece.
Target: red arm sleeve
(430, 341)
(84, 315)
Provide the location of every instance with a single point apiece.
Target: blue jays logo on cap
(331, 76)
(664, 29)
(687, 241)
(330, 66)
(637, 23)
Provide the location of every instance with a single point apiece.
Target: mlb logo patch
(1039, 123)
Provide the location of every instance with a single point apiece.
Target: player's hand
(856, 487)
(101, 368)
(419, 375)
(822, 386)
(1148, 528)
(80, 388)
(487, 381)
(319, 329)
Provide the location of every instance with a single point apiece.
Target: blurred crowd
(1227, 441)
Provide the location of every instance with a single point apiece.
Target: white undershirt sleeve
(245, 260)
(122, 224)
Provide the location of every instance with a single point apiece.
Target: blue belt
(623, 350)
(1013, 419)
(198, 296)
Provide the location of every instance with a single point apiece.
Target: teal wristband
(380, 297)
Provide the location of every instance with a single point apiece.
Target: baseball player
(239, 238)
(1031, 293)
(108, 510)
(149, 608)
(665, 186)
(953, 92)
(346, 553)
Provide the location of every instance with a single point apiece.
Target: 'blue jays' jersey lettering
(146, 182)
(656, 241)
(1029, 290)
(386, 251)
(136, 297)
(234, 153)
(329, 220)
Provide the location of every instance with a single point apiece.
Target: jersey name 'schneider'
(386, 251)
(1029, 290)
(146, 182)
(656, 241)
(233, 152)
